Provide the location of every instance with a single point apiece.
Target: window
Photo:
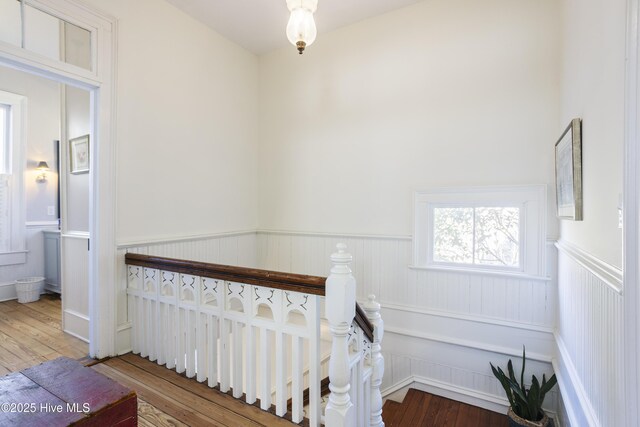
(493, 228)
(12, 210)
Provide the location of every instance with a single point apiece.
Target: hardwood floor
(428, 410)
(172, 399)
(31, 334)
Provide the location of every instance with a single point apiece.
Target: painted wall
(593, 89)
(590, 298)
(441, 93)
(187, 125)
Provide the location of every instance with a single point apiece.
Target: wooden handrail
(364, 323)
(253, 276)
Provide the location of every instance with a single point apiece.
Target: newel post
(340, 297)
(372, 309)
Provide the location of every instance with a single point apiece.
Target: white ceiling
(259, 25)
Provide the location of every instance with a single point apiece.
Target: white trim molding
(631, 219)
(607, 273)
(572, 382)
(163, 240)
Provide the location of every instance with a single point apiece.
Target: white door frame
(631, 221)
(101, 84)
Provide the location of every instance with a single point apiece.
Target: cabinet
(52, 269)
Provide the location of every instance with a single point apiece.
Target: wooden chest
(63, 392)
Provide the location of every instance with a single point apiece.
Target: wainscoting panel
(589, 339)
(35, 260)
(442, 327)
(75, 285)
(230, 248)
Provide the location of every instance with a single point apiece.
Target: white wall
(441, 93)
(186, 125)
(593, 89)
(590, 299)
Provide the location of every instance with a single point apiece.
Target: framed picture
(79, 154)
(569, 172)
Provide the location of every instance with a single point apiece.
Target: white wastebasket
(29, 289)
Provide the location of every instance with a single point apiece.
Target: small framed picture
(79, 154)
(569, 172)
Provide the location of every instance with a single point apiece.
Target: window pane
(453, 235)
(10, 22)
(56, 39)
(497, 236)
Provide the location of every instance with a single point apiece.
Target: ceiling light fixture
(301, 29)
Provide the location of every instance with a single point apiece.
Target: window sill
(13, 258)
(481, 272)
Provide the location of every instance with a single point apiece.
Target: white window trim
(17, 253)
(533, 202)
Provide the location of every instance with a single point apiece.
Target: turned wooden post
(340, 311)
(372, 309)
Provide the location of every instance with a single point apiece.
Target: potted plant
(526, 403)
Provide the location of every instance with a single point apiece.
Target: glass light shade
(301, 27)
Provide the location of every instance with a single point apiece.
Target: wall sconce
(42, 167)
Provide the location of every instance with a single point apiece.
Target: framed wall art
(569, 172)
(79, 154)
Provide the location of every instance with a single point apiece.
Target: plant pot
(516, 421)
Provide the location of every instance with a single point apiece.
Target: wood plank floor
(172, 399)
(32, 333)
(428, 410)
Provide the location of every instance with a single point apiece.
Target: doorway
(96, 77)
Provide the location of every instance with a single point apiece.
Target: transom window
(487, 228)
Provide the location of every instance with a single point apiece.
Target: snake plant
(525, 402)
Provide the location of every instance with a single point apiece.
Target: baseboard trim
(76, 324)
(575, 383)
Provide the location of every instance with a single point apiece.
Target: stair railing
(256, 334)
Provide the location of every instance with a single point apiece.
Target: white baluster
(250, 362)
(212, 350)
(314, 361)
(340, 310)
(372, 309)
(265, 369)
(281, 374)
(224, 355)
(296, 384)
(236, 334)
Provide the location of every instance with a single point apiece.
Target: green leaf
(546, 386)
(524, 359)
